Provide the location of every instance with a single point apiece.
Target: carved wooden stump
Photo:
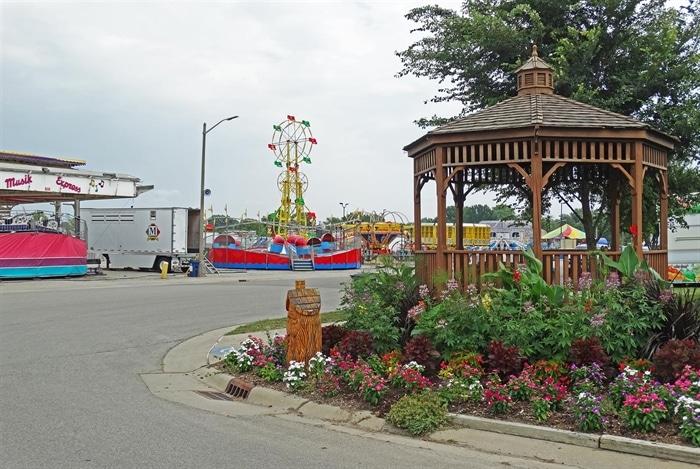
(303, 323)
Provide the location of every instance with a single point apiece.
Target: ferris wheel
(292, 142)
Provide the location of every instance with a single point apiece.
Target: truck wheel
(159, 261)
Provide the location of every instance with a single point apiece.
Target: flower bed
(573, 398)
(616, 353)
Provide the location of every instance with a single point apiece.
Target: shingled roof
(548, 110)
(537, 105)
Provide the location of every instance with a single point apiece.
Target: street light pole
(202, 237)
(343, 205)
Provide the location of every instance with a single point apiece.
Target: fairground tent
(566, 231)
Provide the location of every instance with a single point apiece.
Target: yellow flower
(487, 302)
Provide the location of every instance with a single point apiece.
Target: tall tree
(477, 213)
(639, 58)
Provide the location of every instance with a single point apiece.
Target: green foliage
(527, 284)
(628, 264)
(458, 323)
(418, 413)
(378, 303)
(379, 322)
(630, 319)
(477, 213)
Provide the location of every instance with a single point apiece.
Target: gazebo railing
(558, 266)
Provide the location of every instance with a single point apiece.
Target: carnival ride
(292, 142)
(294, 241)
(42, 244)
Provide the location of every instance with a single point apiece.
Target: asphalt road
(71, 394)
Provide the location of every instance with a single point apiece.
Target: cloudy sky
(126, 86)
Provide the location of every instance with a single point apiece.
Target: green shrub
(378, 303)
(419, 413)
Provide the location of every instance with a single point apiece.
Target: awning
(565, 231)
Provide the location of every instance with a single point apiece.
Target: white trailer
(684, 243)
(142, 238)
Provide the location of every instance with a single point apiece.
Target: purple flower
(424, 292)
(666, 296)
(597, 320)
(613, 281)
(585, 281)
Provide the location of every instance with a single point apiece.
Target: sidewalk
(187, 369)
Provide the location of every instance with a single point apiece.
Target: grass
(281, 323)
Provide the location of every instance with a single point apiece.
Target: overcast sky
(126, 86)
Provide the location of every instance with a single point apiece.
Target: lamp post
(202, 237)
(343, 205)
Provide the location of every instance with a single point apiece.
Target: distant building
(509, 231)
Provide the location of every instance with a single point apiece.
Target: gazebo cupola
(535, 76)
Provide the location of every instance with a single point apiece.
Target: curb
(271, 398)
(604, 442)
(650, 449)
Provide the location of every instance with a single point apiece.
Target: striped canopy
(565, 231)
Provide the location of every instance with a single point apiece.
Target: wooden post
(303, 323)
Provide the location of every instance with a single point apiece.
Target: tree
(477, 213)
(639, 58)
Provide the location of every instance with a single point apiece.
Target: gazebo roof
(548, 110)
(537, 105)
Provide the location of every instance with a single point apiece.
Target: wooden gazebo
(533, 141)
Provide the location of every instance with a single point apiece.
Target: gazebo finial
(534, 50)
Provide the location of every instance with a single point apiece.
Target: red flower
(516, 276)
(633, 230)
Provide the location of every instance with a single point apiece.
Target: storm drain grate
(238, 388)
(216, 396)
